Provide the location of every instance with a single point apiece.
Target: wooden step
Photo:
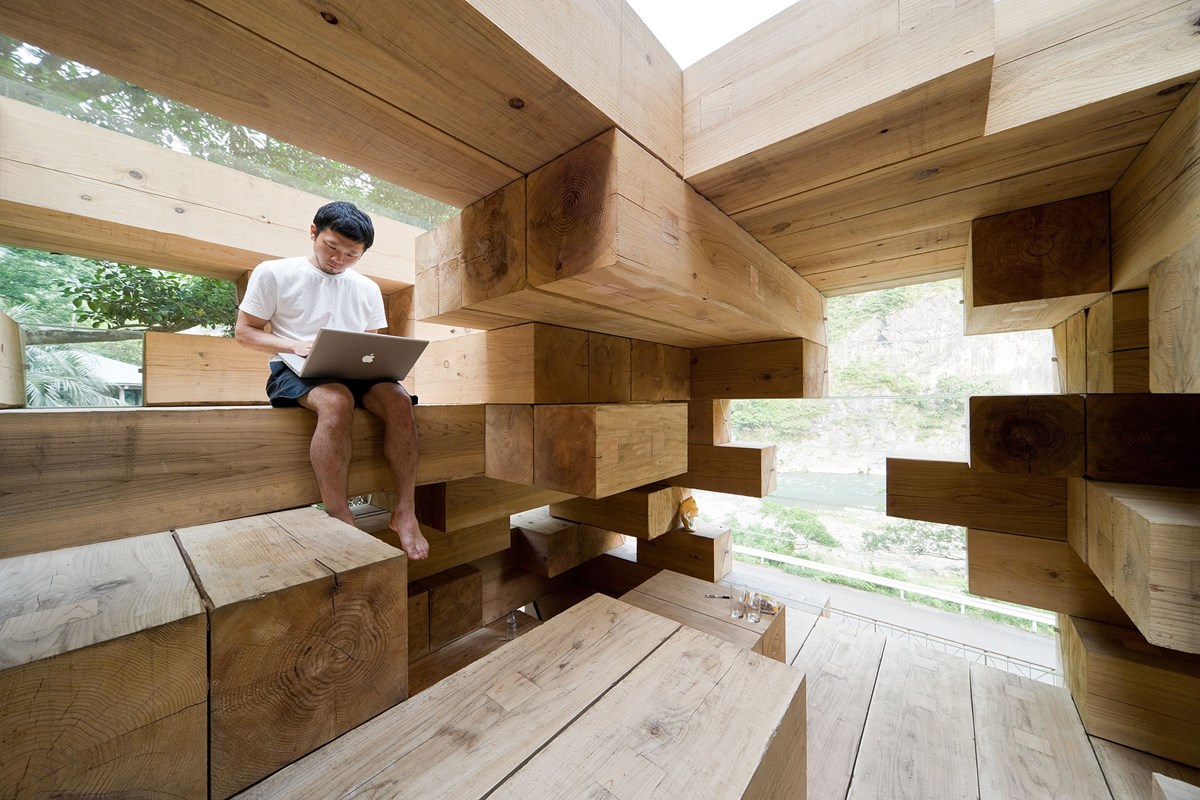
(464, 651)
(1132, 692)
(705, 553)
(308, 631)
(551, 547)
(453, 505)
(125, 472)
(643, 512)
(104, 674)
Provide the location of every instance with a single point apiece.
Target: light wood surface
(1129, 771)
(1037, 572)
(950, 492)
(124, 472)
(473, 501)
(840, 667)
(508, 447)
(1032, 268)
(1029, 741)
(787, 368)
(463, 651)
(501, 710)
(742, 468)
(1117, 340)
(1174, 324)
(183, 370)
(1077, 530)
(658, 372)
(642, 512)
(12, 364)
(1100, 498)
(709, 422)
(104, 674)
(918, 737)
(1031, 434)
(1076, 329)
(657, 732)
(1165, 788)
(97, 193)
(308, 636)
(506, 586)
(598, 450)
(705, 553)
(551, 546)
(452, 548)
(610, 378)
(1130, 692)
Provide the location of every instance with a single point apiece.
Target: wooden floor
(888, 719)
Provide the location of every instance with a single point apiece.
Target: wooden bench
(606, 697)
(682, 598)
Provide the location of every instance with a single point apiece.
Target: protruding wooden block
(1077, 534)
(183, 370)
(643, 512)
(508, 449)
(780, 369)
(1035, 267)
(308, 616)
(742, 468)
(1131, 692)
(455, 603)
(1165, 788)
(705, 553)
(610, 378)
(104, 674)
(418, 621)
(658, 372)
(951, 492)
(1144, 438)
(12, 364)
(1037, 572)
(1035, 435)
(193, 466)
(1129, 772)
(550, 546)
(1174, 322)
(531, 363)
(473, 501)
(1156, 543)
(616, 572)
(599, 450)
(1117, 343)
(464, 651)
(709, 422)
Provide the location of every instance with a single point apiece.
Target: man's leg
(391, 403)
(329, 450)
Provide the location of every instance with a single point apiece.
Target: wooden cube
(103, 671)
(550, 546)
(643, 512)
(308, 630)
(705, 553)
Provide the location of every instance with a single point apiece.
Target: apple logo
(368, 358)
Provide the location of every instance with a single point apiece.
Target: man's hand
(302, 349)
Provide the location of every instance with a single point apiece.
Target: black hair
(348, 220)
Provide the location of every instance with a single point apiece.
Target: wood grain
(741, 468)
(464, 651)
(12, 364)
(643, 512)
(1174, 322)
(709, 422)
(550, 546)
(1032, 435)
(455, 603)
(763, 370)
(1144, 438)
(1129, 771)
(705, 553)
(473, 501)
(182, 370)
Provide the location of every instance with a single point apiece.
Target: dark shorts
(285, 387)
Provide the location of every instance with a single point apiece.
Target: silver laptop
(357, 356)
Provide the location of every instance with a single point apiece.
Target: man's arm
(250, 331)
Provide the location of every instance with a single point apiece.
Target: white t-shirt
(298, 299)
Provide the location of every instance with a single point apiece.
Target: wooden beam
(77, 188)
(124, 472)
(1118, 332)
(12, 364)
(1130, 692)
(455, 603)
(261, 82)
(769, 114)
(1052, 61)
(658, 372)
(1033, 268)
(742, 468)
(183, 370)
(1144, 438)
(643, 512)
(307, 615)
(781, 369)
(453, 505)
(550, 546)
(1039, 573)
(1130, 771)
(1171, 789)
(610, 377)
(506, 586)
(104, 692)
(1174, 325)
(1032, 434)
(418, 624)
(709, 422)
(508, 449)
(598, 450)
(952, 493)
(705, 553)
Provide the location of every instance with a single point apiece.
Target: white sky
(691, 29)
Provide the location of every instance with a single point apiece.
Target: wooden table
(604, 700)
(682, 598)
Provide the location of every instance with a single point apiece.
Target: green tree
(58, 377)
(918, 538)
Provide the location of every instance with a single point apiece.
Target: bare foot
(341, 514)
(412, 541)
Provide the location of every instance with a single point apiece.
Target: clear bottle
(511, 627)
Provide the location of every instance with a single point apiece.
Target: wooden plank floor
(888, 719)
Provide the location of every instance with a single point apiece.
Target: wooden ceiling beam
(70, 187)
